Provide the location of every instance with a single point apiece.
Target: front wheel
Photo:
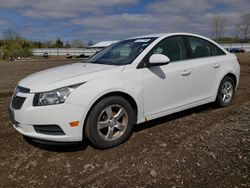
(110, 122)
(226, 92)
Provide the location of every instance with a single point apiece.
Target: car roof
(157, 35)
(163, 35)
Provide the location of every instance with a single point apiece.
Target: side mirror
(158, 59)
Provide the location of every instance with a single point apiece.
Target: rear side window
(203, 48)
(173, 47)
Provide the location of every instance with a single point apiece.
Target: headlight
(56, 96)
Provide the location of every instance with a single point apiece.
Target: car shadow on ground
(59, 147)
(73, 147)
(174, 116)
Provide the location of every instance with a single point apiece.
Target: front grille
(22, 89)
(17, 102)
(49, 129)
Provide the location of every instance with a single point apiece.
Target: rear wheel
(226, 92)
(110, 122)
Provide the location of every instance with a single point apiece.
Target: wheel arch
(126, 96)
(229, 74)
(233, 76)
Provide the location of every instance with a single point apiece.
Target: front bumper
(27, 117)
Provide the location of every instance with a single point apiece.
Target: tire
(225, 92)
(110, 122)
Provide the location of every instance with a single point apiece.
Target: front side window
(202, 48)
(121, 53)
(173, 47)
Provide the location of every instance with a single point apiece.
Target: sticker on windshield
(142, 40)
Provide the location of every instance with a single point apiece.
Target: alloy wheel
(112, 122)
(227, 92)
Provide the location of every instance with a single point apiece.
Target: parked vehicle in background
(242, 50)
(129, 82)
(81, 56)
(237, 50)
(45, 55)
(68, 56)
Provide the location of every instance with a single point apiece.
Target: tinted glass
(202, 48)
(173, 47)
(121, 53)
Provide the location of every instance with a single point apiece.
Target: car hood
(66, 75)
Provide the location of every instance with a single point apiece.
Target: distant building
(82, 52)
(103, 44)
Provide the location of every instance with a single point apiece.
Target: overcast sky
(115, 19)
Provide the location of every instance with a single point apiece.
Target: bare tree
(218, 26)
(11, 34)
(76, 43)
(90, 43)
(243, 27)
(59, 43)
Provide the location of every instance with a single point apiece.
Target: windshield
(121, 53)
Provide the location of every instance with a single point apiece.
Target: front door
(169, 86)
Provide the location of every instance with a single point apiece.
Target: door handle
(186, 72)
(216, 65)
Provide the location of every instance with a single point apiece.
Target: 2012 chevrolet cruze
(129, 82)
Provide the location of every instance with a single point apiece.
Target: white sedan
(129, 82)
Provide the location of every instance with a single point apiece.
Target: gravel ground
(201, 147)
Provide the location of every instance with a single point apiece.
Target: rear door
(206, 65)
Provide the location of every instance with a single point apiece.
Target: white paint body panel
(161, 93)
(157, 91)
